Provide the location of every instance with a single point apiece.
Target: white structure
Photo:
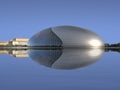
(19, 42)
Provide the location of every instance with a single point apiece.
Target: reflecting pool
(68, 69)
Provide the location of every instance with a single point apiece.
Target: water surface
(25, 73)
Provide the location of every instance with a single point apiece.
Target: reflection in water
(112, 49)
(95, 52)
(69, 58)
(66, 58)
(18, 53)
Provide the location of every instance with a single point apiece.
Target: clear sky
(23, 18)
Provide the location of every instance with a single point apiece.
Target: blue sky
(24, 18)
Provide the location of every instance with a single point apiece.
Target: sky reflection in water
(67, 73)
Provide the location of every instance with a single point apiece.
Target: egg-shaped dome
(66, 36)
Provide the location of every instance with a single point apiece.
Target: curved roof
(67, 36)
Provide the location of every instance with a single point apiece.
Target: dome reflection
(66, 58)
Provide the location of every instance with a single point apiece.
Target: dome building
(66, 36)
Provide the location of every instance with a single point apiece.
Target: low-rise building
(4, 43)
(19, 42)
(16, 42)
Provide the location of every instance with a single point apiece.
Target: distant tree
(107, 45)
(118, 44)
